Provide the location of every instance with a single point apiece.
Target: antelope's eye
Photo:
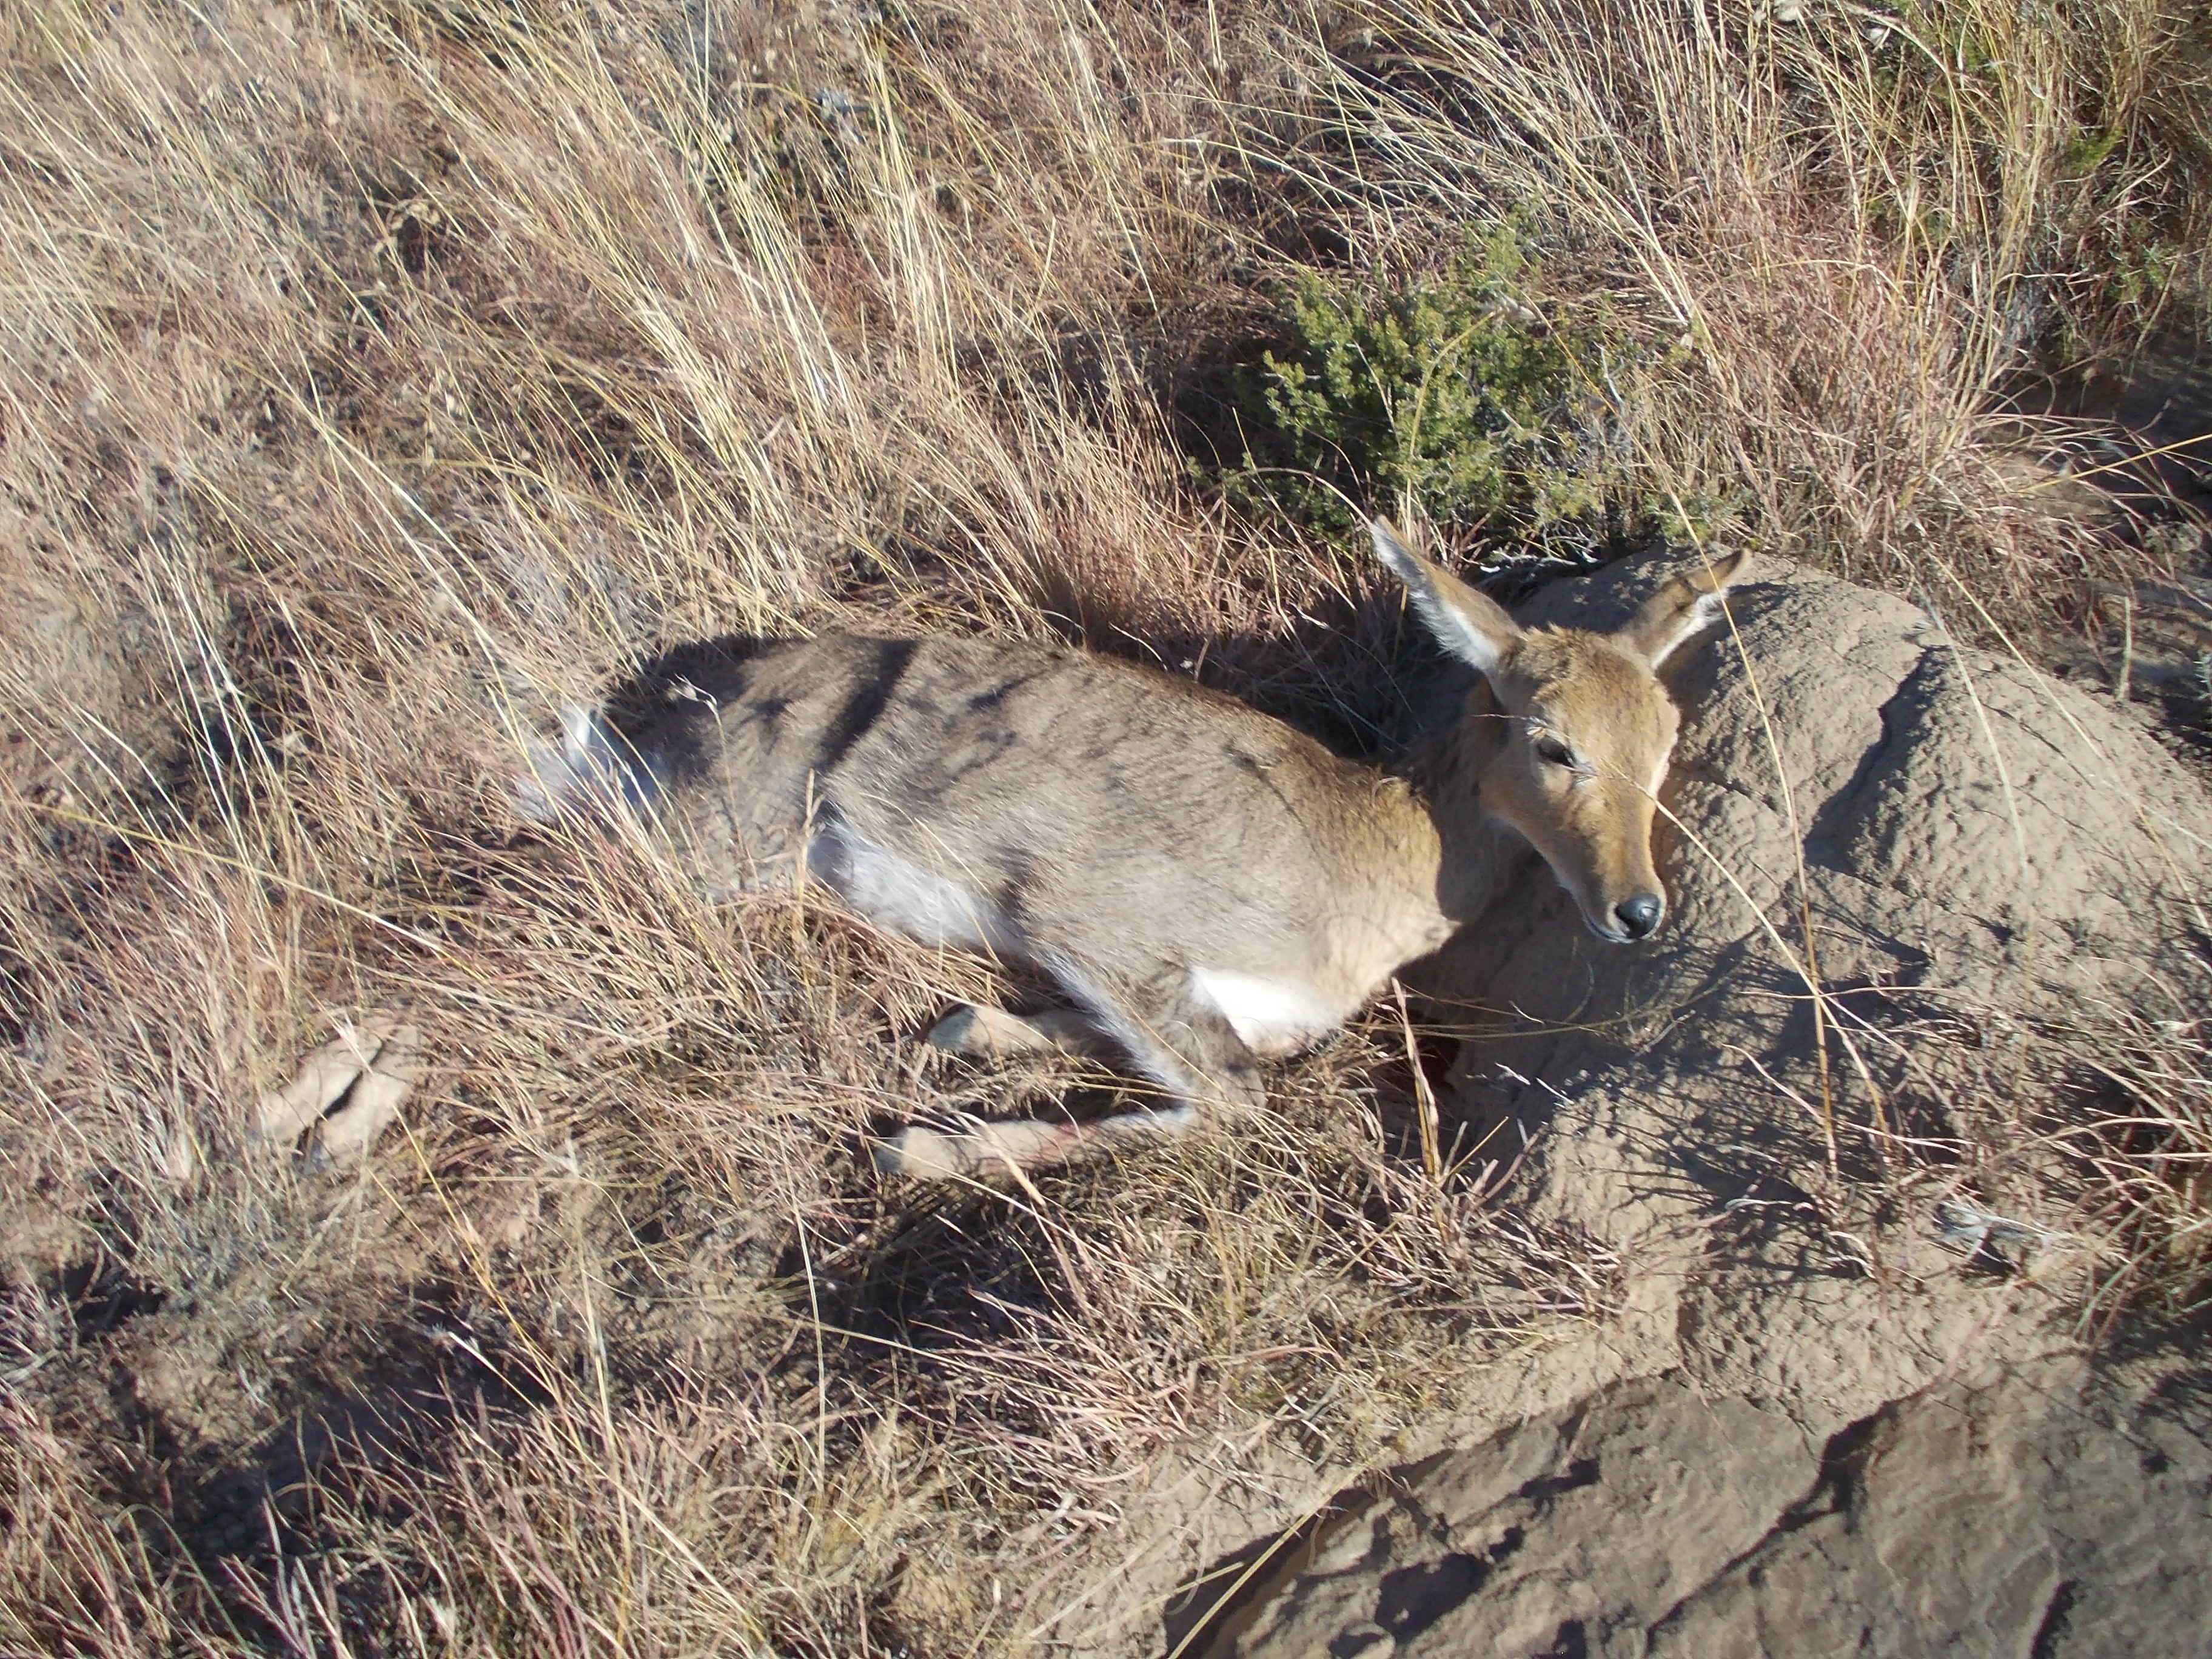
(1550, 749)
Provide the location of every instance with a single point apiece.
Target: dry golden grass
(1841, 234)
(378, 375)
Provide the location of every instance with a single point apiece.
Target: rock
(345, 1093)
(2056, 1512)
(2050, 1514)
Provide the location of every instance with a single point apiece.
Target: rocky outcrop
(2056, 1513)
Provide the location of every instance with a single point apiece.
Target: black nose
(1639, 917)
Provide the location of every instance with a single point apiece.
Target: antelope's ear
(1681, 609)
(1472, 626)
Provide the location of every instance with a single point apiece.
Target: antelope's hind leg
(979, 1031)
(1176, 1038)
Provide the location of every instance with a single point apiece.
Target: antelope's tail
(591, 769)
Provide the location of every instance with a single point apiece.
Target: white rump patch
(1274, 1016)
(899, 895)
(592, 769)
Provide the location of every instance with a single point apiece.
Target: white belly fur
(1274, 1016)
(896, 894)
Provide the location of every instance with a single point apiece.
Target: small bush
(1455, 396)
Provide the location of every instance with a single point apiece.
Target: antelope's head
(1570, 740)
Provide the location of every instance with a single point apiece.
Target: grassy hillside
(378, 376)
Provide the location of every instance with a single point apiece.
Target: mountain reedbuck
(1209, 886)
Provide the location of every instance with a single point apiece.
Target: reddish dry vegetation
(379, 375)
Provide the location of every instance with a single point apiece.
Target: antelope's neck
(1477, 852)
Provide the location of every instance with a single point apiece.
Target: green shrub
(1456, 391)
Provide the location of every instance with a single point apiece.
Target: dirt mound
(1839, 1244)
(1974, 839)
